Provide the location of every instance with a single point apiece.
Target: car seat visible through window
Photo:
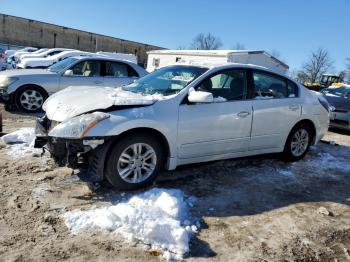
(206, 86)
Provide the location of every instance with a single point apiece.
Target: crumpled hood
(77, 100)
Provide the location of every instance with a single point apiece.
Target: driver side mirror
(68, 73)
(200, 97)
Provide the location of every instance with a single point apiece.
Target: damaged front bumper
(72, 152)
(4, 96)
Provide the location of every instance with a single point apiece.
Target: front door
(221, 127)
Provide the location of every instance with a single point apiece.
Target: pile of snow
(20, 142)
(158, 217)
(123, 97)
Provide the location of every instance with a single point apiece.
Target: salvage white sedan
(178, 115)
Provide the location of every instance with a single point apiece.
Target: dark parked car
(339, 98)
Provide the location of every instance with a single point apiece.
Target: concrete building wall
(26, 32)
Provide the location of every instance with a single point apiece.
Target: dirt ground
(251, 209)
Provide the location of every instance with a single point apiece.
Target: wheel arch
(147, 130)
(310, 124)
(99, 171)
(20, 88)
(24, 86)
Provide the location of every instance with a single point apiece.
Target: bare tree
(301, 77)
(348, 68)
(342, 75)
(206, 42)
(318, 64)
(238, 46)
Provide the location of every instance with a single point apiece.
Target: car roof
(100, 57)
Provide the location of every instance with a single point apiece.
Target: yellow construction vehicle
(326, 81)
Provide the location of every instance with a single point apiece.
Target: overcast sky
(293, 28)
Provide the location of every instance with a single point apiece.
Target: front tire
(298, 143)
(30, 99)
(134, 162)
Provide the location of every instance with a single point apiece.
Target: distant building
(20, 32)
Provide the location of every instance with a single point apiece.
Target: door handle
(98, 82)
(294, 107)
(243, 114)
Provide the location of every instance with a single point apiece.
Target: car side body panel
(157, 117)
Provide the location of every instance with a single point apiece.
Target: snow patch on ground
(286, 173)
(157, 217)
(20, 142)
(328, 161)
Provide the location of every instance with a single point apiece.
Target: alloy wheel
(137, 163)
(31, 100)
(300, 142)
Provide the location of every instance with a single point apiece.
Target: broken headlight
(77, 127)
(5, 81)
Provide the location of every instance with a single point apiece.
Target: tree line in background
(311, 71)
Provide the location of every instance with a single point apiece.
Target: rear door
(276, 107)
(118, 74)
(87, 72)
(209, 129)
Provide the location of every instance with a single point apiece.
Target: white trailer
(161, 58)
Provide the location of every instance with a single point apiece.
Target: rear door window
(117, 69)
(268, 86)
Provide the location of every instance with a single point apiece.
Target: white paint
(74, 101)
(50, 60)
(121, 56)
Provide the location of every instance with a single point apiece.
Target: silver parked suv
(27, 89)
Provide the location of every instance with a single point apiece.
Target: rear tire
(134, 162)
(298, 143)
(30, 99)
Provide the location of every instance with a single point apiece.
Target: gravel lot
(251, 209)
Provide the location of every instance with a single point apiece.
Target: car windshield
(339, 91)
(60, 66)
(166, 81)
